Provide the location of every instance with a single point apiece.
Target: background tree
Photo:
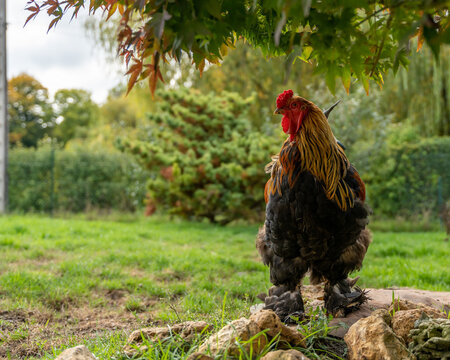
(75, 112)
(342, 39)
(423, 92)
(30, 112)
(118, 117)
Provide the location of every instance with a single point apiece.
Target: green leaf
(214, 8)
(346, 79)
(330, 79)
(158, 21)
(432, 39)
(401, 58)
(306, 53)
(365, 81)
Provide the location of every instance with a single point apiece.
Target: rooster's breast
(302, 222)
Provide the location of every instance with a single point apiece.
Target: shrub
(410, 177)
(206, 160)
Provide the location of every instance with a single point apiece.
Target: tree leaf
(330, 79)
(214, 8)
(365, 81)
(201, 66)
(153, 78)
(158, 21)
(432, 38)
(346, 79)
(53, 23)
(306, 53)
(111, 11)
(134, 72)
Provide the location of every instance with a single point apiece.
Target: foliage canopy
(29, 111)
(34, 117)
(346, 39)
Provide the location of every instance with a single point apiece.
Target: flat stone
(79, 352)
(379, 299)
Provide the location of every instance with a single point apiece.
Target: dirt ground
(30, 334)
(25, 334)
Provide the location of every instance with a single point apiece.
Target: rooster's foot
(287, 304)
(341, 299)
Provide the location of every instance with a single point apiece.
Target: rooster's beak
(278, 111)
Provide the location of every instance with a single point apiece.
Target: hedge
(43, 180)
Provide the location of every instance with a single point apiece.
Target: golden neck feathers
(315, 150)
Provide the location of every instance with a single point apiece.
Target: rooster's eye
(294, 105)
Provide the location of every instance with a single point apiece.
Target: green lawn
(139, 272)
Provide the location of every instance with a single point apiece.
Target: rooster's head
(294, 110)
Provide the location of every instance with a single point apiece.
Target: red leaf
(31, 17)
(53, 22)
(160, 76)
(134, 70)
(32, 8)
(152, 82)
(52, 9)
(111, 11)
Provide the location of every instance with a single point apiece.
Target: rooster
(315, 214)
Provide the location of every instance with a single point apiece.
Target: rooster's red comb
(283, 98)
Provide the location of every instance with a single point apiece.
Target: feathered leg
(284, 297)
(341, 297)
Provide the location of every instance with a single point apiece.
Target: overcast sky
(63, 58)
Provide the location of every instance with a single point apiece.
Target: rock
(403, 320)
(431, 339)
(379, 299)
(226, 340)
(265, 323)
(269, 321)
(285, 355)
(382, 298)
(79, 352)
(187, 331)
(199, 356)
(372, 338)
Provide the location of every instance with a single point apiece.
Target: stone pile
(404, 331)
(415, 326)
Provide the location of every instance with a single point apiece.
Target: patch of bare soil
(25, 334)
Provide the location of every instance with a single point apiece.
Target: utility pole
(3, 113)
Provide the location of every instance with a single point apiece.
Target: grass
(69, 281)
